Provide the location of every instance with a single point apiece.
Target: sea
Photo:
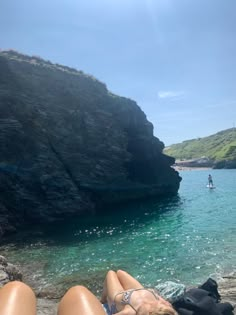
(186, 239)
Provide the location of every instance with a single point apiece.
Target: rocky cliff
(68, 146)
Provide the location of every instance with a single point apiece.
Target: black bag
(203, 300)
(211, 286)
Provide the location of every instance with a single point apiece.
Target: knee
(110, 275)
(78, 290)
(120, 272)
(18, 286)
(17, 298)
(110, 272)
(14, 284)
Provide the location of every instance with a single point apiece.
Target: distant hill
(217, 151)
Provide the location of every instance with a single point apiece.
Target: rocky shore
(47, 305)
(188, 168)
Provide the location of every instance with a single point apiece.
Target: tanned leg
(111, 287)
(16, 298)
(127, 281)
(79, 300)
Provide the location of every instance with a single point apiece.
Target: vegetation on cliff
(219, 148)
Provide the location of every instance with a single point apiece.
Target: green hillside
(220, 148)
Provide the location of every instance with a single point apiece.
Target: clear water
(187, 238)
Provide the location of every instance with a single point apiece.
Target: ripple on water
(186, 239)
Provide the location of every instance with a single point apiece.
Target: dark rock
(3, 277)
(8, 272)
(46, 307)
(13, 272)
(225, 164)
(227, 288)
(3, 261)
(68, 145)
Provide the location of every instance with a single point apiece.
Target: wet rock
(13, 272)
(3, 277)
(3, 261)
(8, 272)
(227, 288)
(46, 307)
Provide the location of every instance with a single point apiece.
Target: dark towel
(203, 300)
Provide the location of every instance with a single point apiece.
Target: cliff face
(67, 145)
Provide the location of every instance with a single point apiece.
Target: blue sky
(175, 58)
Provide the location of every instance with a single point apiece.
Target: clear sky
(175, 58)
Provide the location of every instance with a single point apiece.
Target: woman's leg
(127, 281)
(16, 298)
(79, 300)
(111, 287)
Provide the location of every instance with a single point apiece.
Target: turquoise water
(186, 238)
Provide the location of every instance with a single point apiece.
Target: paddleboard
(211, 187)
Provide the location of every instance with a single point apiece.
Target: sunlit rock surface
(68, 146)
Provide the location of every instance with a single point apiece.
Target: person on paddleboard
(210, 180)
